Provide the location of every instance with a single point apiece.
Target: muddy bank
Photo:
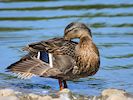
(66, 94)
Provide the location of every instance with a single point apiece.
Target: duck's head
(76, 30)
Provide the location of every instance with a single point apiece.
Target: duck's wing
(26, 68)
(57, 46)
(31, 65)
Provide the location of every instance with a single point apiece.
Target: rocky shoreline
(66, 94)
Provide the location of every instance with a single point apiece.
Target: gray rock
(9, 98)
(115, 94)
(65, 94)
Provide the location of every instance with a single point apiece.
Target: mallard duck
(60, 58)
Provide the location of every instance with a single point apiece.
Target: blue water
(111, 22)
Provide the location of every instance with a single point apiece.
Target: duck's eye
(75, 31)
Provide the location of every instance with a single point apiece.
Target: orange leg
(60, 84)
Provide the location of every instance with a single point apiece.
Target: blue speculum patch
(44, 56)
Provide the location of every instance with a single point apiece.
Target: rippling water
(111, 22)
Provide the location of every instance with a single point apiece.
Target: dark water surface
(111, 22)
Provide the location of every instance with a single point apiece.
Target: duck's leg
(65, 84)
(60, 84)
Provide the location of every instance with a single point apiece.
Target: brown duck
(61, 58)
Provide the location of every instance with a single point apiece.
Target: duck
(60, 58)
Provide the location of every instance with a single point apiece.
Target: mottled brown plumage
(70, 60)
